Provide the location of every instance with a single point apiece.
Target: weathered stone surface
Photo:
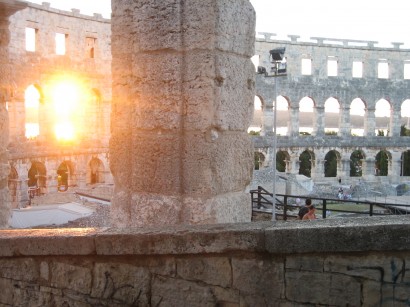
(259, 280)
(228, 265)
(213, 271)
(123, 283)
(188, 103)
(166, 292)
(55, 241)
(72, 277)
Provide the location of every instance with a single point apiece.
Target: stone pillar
(344, 170)
(318, 169)
(394, 172)
(395, 121)
(319, 121)
(369, 122)
(344, 121)
(267, 118)
(293, 124)
(183, 94)
(294, 164)
(368, 169)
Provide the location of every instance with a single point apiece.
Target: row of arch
(37, 180)
(311, 117)
(358, 164)
(66, 107)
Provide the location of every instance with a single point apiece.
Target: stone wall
(87, 62)
(357, 262)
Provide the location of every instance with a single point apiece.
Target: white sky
(382, 21)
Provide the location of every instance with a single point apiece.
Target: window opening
(60, 43)
(31, 34)
(307, 67)
(406, 71)
(383, 70)
(357, 71)
(332, 67)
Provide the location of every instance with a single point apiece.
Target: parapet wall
(360, 262)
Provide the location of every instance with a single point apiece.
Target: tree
(331, 164)
(356, 163)
(280, 161)
(305, 167)
(382, 163)
(404, 131)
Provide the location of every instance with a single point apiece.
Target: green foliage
(406, 164)
(258, 160)
(382, 164)
(380, 132)
(330, 133)
(356, 164)
(280, 161)
(254, 133)
(305, 167)
(404, 131)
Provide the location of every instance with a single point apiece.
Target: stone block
(73, 277)
(212, 271)
(259, 280)
(48, 242)
(23, 269)
(307, 262)
(321, 288)
(123, 283)
(181, 240)
(190, 25)
(177, 292)
(213, 164)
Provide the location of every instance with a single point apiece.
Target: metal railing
(261, 201)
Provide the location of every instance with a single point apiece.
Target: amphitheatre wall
(344, 84)
(49, 47)
(360, 262)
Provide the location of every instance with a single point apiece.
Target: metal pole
(274, 145)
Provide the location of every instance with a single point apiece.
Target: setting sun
(66, 97)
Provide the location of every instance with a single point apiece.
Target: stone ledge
(332, 235)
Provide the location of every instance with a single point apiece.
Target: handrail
(260, 200)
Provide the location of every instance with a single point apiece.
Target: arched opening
(63, 175)
(405, 163)
(282, 113)
(37, 179)
(281, 160)
(332, 109)
(382, 114)
(331, 163)
(32, 98)
(256, 124)
(382, 164)
(12, 185)
(356, 160)
(357, 112)
(259, 160)
(405, 117)
(306, 159)
(95, 172)
(306, 117)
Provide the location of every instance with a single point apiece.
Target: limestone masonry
(182, 103)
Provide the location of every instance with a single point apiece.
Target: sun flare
(67, 97)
